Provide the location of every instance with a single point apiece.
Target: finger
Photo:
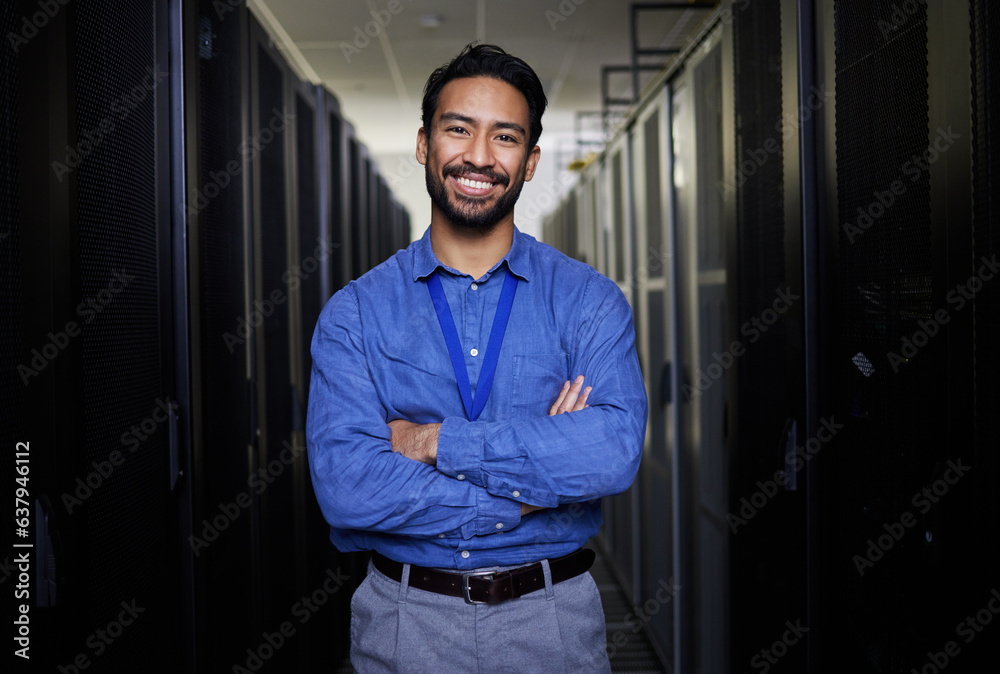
(582, 402)
(572, 395)
(562, 396)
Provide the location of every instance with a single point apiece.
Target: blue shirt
(379, 355)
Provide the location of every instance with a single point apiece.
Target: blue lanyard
(455, 344)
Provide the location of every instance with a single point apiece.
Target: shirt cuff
(460, 449)
(495, 515)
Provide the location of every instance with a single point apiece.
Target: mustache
(469, 169)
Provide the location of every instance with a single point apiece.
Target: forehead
(483, 98)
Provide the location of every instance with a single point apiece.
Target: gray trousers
(403, 630)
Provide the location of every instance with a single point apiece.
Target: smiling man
(449, 429)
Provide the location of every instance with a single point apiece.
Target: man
(443, 431)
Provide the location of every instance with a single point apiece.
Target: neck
(471, 252)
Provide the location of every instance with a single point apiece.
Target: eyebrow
(465, 119)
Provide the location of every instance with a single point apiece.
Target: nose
(478, 152)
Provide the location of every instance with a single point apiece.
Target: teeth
(474, 183)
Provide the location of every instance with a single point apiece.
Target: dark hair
(487, 60)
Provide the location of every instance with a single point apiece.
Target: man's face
(476, 158)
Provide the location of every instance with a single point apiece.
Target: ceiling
(375, 55)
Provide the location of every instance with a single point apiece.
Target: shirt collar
(518, 258)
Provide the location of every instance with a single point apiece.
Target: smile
(474, 184)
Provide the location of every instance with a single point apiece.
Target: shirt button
(474, 353)
(516, 494)
(459, 477)
(440, 535)
(475, 287)
(465, 554)
(499, 525)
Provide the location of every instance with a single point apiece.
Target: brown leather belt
(488, 587)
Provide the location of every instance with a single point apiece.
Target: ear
(422, 146)
(533, 157)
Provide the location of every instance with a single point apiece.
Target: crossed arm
(419, 441)
(462, 476)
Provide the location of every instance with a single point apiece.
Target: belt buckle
(465, 585)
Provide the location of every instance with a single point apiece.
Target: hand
(415, 441)
(570, 398)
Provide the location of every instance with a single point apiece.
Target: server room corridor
(790, 206)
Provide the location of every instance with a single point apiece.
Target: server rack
(369, 174)
(986, 181)
(314, 249)
(586, 208)
(703, 338)
(571, 223)
(221, 246)
(283, 119)
(903, 243)
(159, 211)
(359, 204)
(386, 238)
(550, 226)
(338, 186)
(767, 518)
(821, 432)
(13, 393)
(91, 118)
(620, 511)
(657, 344)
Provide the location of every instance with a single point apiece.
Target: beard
(472, 213)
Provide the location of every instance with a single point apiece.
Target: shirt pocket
(538, 378)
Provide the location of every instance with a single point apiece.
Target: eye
(504, 138)
(456, 129)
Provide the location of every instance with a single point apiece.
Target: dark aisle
(634, 654)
